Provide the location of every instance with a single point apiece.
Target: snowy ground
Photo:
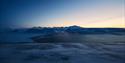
(17, 37)
(26, 37)
(63, 53)
(98, 48)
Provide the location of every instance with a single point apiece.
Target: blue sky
(86, 13)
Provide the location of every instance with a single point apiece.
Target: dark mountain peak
(74, 27)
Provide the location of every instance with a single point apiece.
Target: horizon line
(69, 26)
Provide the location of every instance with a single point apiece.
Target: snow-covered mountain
(59, 34)
(72, 29)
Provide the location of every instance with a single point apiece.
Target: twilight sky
(85, 13)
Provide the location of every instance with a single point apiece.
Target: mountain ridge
(71, 29)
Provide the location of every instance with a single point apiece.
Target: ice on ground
(62, 53)
(26, 37)
(17, 37)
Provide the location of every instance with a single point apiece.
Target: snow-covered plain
(26, 37)
(17, 37)
(95, 48)
(63, 53)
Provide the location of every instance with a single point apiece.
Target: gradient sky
(85, 13)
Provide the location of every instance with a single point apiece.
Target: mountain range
(71, 29)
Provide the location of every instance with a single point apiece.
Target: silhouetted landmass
(72, 29)
(63, 34)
